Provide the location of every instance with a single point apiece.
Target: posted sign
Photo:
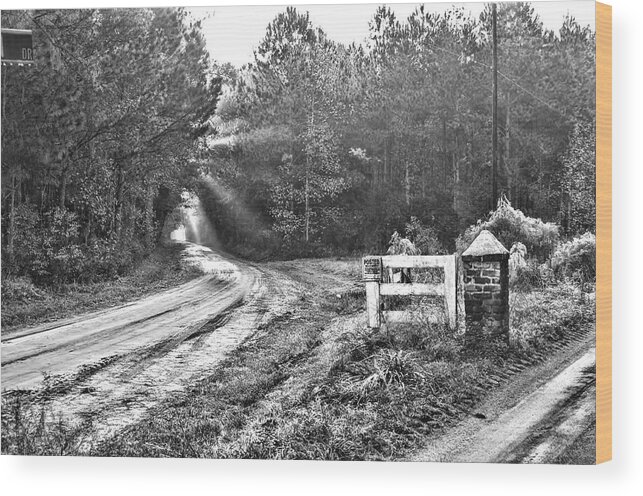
(17, 46)
(372, 269)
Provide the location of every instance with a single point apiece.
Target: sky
(233, 32)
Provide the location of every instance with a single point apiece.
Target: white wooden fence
(376, 269)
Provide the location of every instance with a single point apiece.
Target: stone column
(486, 289)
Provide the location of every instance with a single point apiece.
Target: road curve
(111, 367)
(167, 316)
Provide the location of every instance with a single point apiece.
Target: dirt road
(112, 365)
(533, 419)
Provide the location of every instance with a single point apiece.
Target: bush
(49, 250)
(517, 256)
(576, 259)
(423, 237)
(401, 246)
(19, 289)
(511, 226)
(540, 317)
(525, 274)
(531, 275)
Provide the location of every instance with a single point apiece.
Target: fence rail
(374, 268)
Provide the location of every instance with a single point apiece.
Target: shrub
(525, 274)
(49, 250)
(510, 226)
(576, 259)
(27, 238)
(401, 246)
(540, 317)
(531, 275)
(19, 289)
(423, 237)
(517, 261)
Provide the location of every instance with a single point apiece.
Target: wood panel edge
(603, 232)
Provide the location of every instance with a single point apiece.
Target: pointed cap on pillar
(485, 245)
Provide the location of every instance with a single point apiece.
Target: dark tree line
(99, 137)
(314, 148)
(334, 147)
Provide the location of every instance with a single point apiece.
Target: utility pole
(494, 109)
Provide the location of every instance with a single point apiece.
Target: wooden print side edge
(603, 232)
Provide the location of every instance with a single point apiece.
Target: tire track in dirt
(154, 357)
(531, 419)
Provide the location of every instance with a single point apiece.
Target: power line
(504, 76)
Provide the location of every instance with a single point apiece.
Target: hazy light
(194, 227)
(178, 234)
(238, 210)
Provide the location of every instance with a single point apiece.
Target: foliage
(530, 276)
(517, 256)
(579, 169)
(576, 259)
(338, 146)
(549, 314)
(423, 237)
(24, 303)
(31, 430)
(401, 246)
(511, 226)
(323, 148)
(99, 136)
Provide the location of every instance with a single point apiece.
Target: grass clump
(29, 428)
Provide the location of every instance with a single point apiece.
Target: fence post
(372, 276)
(450, 291)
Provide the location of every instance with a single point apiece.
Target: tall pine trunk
(307, 180)
(63, 187)
(11, 231)
(120, 189)
(149, 219)
(445, 160)
(456, 175)
(407, 182)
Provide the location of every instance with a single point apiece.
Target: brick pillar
(486, 289)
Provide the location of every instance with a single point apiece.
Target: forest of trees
(334, 147)
(313, 148)
(99, 137)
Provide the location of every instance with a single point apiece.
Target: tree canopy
(99, 135)
(334, 147)
(313, 148)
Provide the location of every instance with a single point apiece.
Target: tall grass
(32, 429)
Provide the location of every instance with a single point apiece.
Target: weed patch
(30, 428)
